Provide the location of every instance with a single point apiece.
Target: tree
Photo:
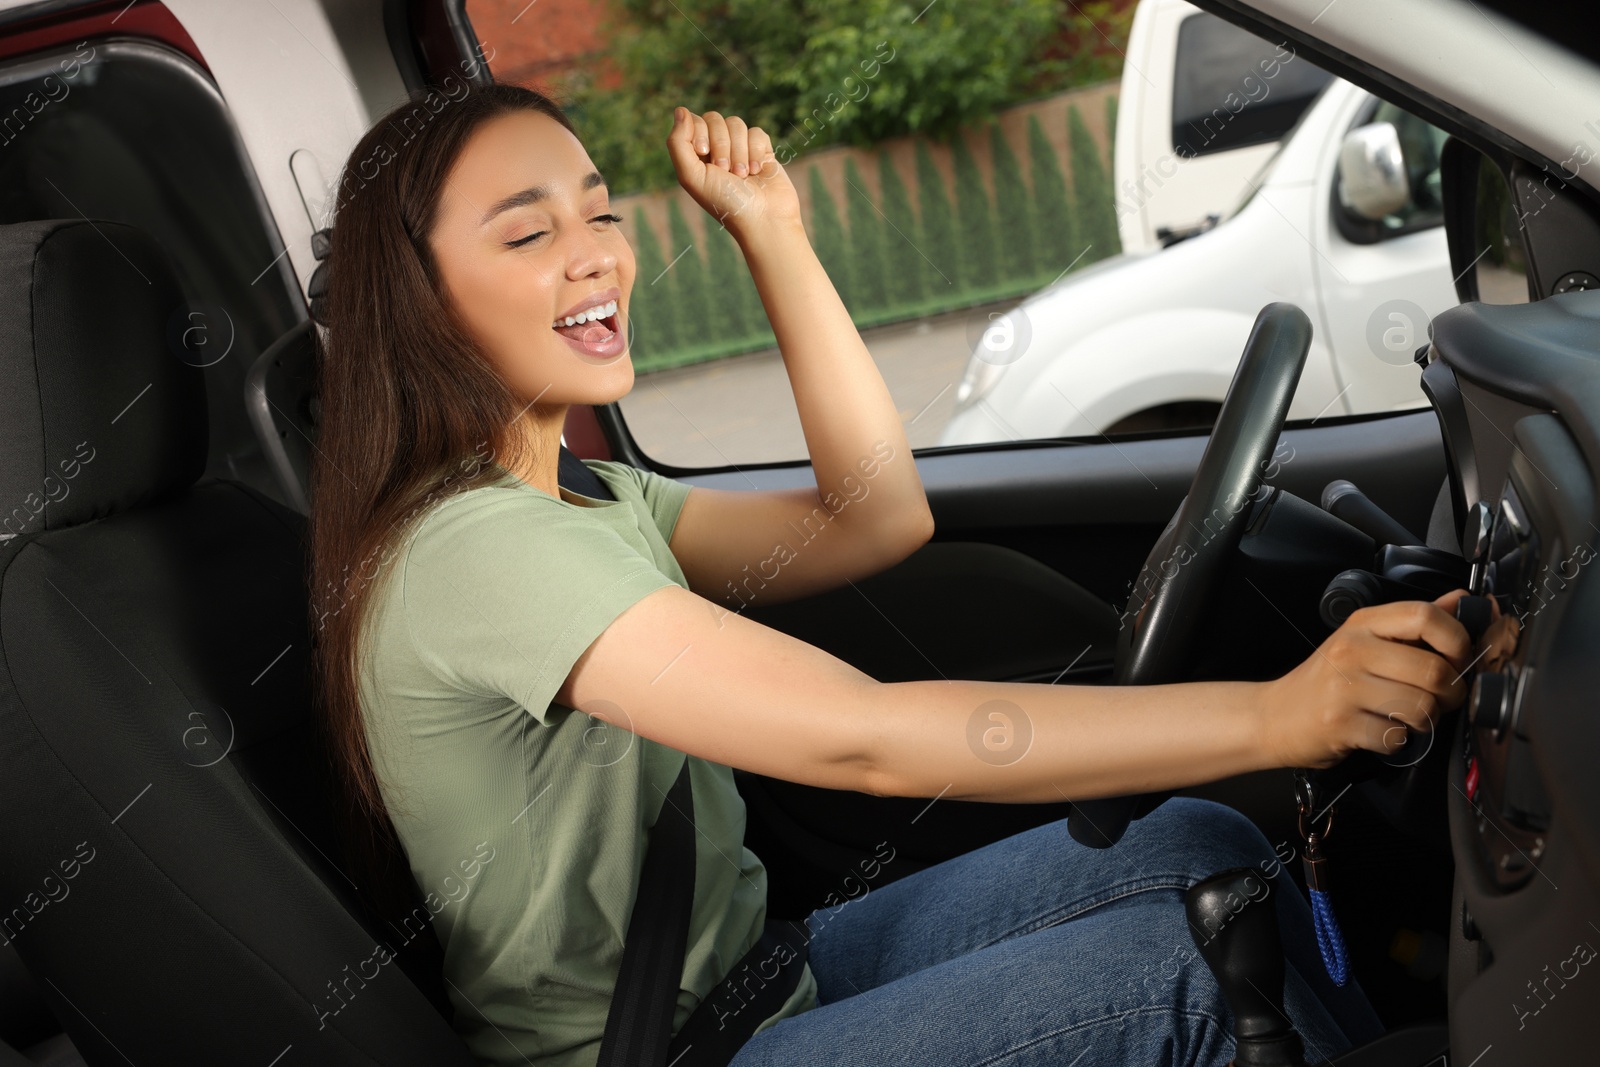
(903, 264)
(809, 72)
(1011, 208)
(1089, 45)
(687, 273)
(866, 241)
(1052, 209)
(975, 217)
(654, 314)
(1095, 200)
(827, 237)
(943, 268)
(725, 265)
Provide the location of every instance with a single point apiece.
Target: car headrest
(100, 410)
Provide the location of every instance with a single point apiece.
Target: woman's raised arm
(868, 495)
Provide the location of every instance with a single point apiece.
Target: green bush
(1012, 209)
(903, 264)
(1057, 230)
(866, 242)
(1095, 201)
(651, 307)
(975, 218)
(942, 269)
(687, 273)
(1091, 46)
(755, 311)
(733, 315)
(809, 72)
(827, 237)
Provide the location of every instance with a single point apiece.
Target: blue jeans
(1038, 950)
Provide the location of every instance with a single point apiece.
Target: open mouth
(593, 328)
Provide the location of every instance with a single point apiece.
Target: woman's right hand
(1369, 684)
(732, 172)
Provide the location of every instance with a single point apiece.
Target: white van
(1243, 175)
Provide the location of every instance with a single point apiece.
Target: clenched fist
(1370, 684)
(730, 170)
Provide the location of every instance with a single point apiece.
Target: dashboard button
(1578, 279)
(1489, 703)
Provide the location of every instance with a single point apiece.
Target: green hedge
(892, 263)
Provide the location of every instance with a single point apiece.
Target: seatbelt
(639, 1024)
(754, 990)
(638, 1030)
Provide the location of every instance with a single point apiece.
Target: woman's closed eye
(519, 242)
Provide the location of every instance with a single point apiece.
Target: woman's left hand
(731, 171)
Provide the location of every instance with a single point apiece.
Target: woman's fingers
(702, 138)
(738, 146)
(699, 143)
(727, 142)
(717, 127)
(1416, 667)
(1419, 620)
(680, 144)
(1398, 712)
(1382, 734)
(1405, 690)
(760, 149)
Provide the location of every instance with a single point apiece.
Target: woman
(512, 671)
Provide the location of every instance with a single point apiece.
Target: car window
(947, 163)
(1210, 54)
(959, 178)
(137, 134)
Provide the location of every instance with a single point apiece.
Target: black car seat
(168, 867)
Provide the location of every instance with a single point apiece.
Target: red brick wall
(534, 43)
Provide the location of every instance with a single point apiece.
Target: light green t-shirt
(525, 821)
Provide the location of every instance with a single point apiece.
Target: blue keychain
(1330, 940)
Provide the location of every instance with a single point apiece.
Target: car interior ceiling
(1037, 547)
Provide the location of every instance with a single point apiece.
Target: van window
(1231, 88)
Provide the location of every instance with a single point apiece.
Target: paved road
(741, 409)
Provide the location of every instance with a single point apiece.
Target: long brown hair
(410, 409)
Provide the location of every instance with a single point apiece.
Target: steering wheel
(1177, 584)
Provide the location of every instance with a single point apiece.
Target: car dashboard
(1517, 391)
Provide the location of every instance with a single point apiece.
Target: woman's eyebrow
(534, 194)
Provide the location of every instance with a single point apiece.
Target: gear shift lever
(1235, 925)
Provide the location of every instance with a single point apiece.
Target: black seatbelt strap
(639, 1023)
(638, 1029)
(753, 991)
